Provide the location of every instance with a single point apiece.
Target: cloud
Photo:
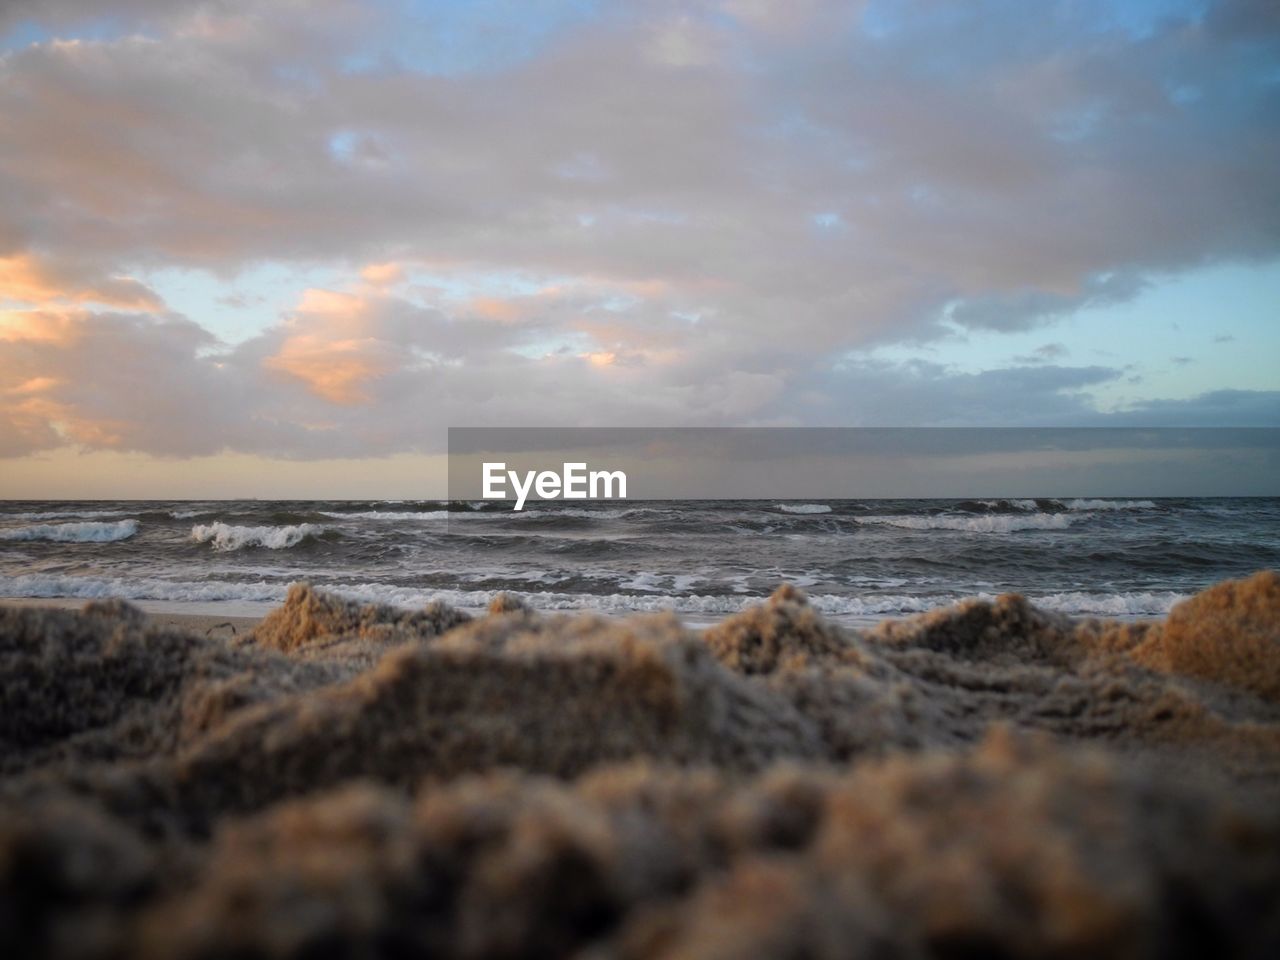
(1019, 309)
(1044, 353)
(382, 274)
(706, 203)
(880, 393)
(64, 13)
(112, 381)
(363, 373)
(25, 278)
(201, 150)
(1215, 408)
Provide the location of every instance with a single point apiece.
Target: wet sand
(345, 780)
(204, 624)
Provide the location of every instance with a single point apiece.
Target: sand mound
(1229, 634)
(1008, 631)
(1017, 849)
(105, 685)
(553, 695)
(362, 780)
(309, 616)
(783, 634)
(943, 678)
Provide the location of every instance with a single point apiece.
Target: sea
(859, 561)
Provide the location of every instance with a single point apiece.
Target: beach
(588, 480)
(203, 620)
(356, 779)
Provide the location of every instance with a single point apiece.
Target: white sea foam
(389, 515)
(585, 513)
(1131, 604)
(65, 514)
(624, 603)
(1080, 504)
(803, 507)
(134, 588)
(224, 536)
(648, 582)
(1019, 504)
(1135, 604)
(101, 532)
(998, 523)
(137, 588)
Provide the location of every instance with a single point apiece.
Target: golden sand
(347, 780)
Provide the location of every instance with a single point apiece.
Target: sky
(276, 248)
(822, 463)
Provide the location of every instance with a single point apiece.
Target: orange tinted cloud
(332, 347)
(330, 303)
(66, 421)
(382, 274)
(493, 308)
(336, 370)
(32, 386)
(40, 326)
(26, 279)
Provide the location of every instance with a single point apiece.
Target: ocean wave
(102, 532)
(626, 603)
(388, 515)
(1023, 504)
(995, 523)
(138, 588)
(224, 536)
(143, 588)
(649, 582)
(64, 514)
(584, 513)
(1136, 604)
(1131, 604)
(1083, 504)
(803, 507)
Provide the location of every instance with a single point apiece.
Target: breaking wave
(1081, 504)
(51, 586)
(1137, 604)
(388, 515)
(1003, 504)
(225, 536)
(67, 514)
(102, 532)
(804, 508)
(995, 523)
(1122, 605)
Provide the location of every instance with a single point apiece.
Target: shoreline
(233, 618)
(201, 618)
(238, 617)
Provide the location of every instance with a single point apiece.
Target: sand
(346, 780)
(205, 624)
